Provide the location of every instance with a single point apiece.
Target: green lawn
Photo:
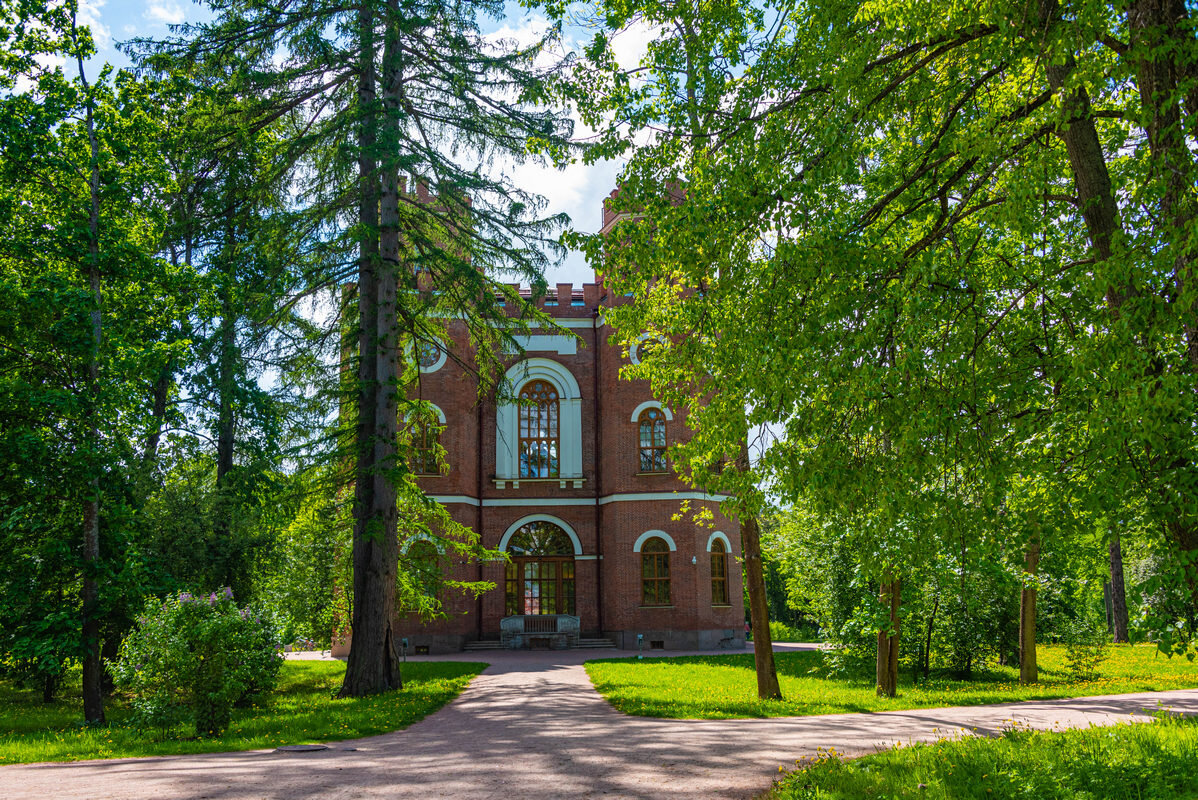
(301, 710)
(722, 687)
(1151, 761)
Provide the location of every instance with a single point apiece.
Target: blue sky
(578, 190)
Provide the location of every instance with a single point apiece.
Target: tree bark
(225, 377)
(890, 593)
(1118, 592)
(93, 673)
(372, 665)
(1028, 670)
(759, 612)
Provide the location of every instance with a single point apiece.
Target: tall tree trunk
(886, 671)
(372, 665)
(225, 375)
(1028, 670)
(1118, 592)
(227, 356)
(759, 611)
(93, 675)
(1161, 48)
(160, 396)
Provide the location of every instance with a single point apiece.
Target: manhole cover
(301, 748)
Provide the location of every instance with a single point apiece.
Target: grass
(1146, 761)
(301, 710)
(725, 687)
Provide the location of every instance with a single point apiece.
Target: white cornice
(627, 497)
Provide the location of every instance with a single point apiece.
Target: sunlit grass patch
(725, 686)
(1153, 761)
(302, 710)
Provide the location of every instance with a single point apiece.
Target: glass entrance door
(540, 574)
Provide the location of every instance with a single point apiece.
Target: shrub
(1086, 647)
(191, 659)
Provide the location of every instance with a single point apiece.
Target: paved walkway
(532, 727)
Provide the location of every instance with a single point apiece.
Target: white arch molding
(421, 537)
(520, 523)
(507, 436)
(723, 538)
(636, 412)
(436, 410)
(647, 535)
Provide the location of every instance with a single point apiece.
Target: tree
(914, 219)
(78, 184)
(425, 95)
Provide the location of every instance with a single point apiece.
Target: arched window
(719, 573)
(424, 442)
(540, 444)
(655, 572)
(652, 425)
(540, 575)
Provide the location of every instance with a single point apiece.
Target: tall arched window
(655, 572)
(652, 425)
(540, 575)
(719, 573)
(540, 444)
(426, 440)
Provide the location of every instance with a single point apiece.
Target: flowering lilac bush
(192, 658)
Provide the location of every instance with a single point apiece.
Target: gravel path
(532, 727)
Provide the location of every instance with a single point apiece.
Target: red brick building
(572, 483)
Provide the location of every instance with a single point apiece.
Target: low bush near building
(191, 659)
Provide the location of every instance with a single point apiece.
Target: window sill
(576, 483)
(721, 605)
(657, 607)
(650, 474)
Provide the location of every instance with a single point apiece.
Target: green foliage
(193, 658)
(302, 709)
(1153, 761)
(722, 687)
(302, 583)
(874, 230)
(1086, 647)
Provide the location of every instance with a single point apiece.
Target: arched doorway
(540, 575)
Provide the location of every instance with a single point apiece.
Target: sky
(578, 190)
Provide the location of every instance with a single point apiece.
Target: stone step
(579, 644)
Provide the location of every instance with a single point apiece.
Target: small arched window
(719, 573)
(652, 425)
(655, 572)
(540, 443)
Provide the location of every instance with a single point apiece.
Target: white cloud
(89, 15)
(631, 44)
(167, 12)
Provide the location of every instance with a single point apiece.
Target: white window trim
(719, 535)
(436, 408)
(421, 537)
(647, 535)
(507, 421)
(634, 354)
(520, 523)
(636, 414)
(441, 359)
